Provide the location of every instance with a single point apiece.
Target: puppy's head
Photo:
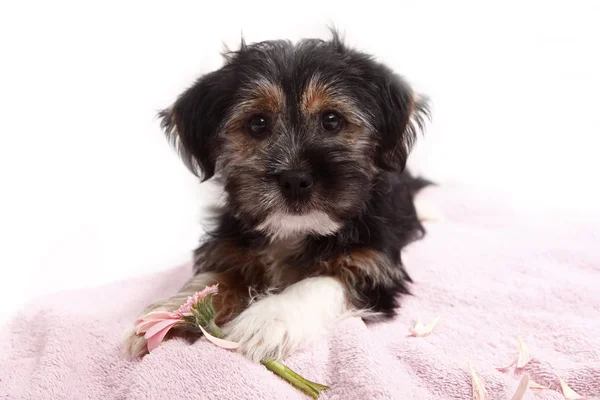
(297, 133)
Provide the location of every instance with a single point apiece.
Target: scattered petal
(507, 368)
(479, 392)
(421, 330)
(569, 393)
(429, 327)
(536, 387)
(522, 388)
(418, 325)
(226, 344)
(524, 356)
(520, 360)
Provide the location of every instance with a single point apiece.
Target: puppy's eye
(258, 125)
(331, 122)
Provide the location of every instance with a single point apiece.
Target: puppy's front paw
(277, 325)
(135, 345)
(267, 330)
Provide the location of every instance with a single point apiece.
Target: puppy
(309, 142)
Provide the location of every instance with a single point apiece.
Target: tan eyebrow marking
(267, 95)
(260, 96)
(315, 96)
(319, 96)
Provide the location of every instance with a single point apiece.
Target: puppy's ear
(402, 115)
(192, 122)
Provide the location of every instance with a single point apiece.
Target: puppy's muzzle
(295, 185)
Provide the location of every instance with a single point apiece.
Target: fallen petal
(520, 360)
(479, 392)
(536, 387)
(421, 330)
(429, 327)
(569, 393)
(508, 367)
(524, 356)
(522, 388)
(418, 324)
(226, 344)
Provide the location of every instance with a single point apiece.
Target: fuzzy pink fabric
(489, 271)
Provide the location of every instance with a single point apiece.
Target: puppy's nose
(295, 184)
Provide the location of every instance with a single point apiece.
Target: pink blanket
(490, 272)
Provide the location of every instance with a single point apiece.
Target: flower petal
(155, 315)
(418, 328)
(429, 327)
(479, 392)
(524, 356)
(143, 326)
(192, 301)
(522, 388)
(226, 344)
(569, 393)
(536, 387)
(418, 324)
(520, 360)
(214, 289)
(157, 338)
(421, 330)
(167, 323)
(508, 367)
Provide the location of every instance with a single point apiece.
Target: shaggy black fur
(358, 172)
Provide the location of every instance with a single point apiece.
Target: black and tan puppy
(309, 141)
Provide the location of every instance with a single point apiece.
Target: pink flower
(186, 309)
(156, 325)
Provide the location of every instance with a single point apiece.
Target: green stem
(213, 329)
(317, 386)
(310, 388)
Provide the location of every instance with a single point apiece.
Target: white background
(92, 193)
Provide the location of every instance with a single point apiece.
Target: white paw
(279, 324)
(265, 329)
(260, 338)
